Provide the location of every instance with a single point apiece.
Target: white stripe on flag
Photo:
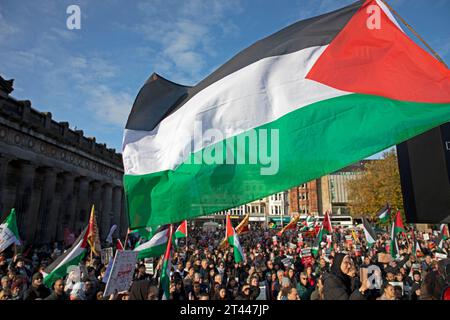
(274, 87)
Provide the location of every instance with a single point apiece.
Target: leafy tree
(380, 184)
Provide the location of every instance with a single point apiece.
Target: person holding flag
(396, 229)
(325, 229)
(9, 233)
(233, 241)
(166, 266)
(93, 237)
(242, 228)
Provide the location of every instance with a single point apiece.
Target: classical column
(4, 188)
(66, 210)
(24, 195)
(82, 204)
(105, 218)
(45, 208)
(53, 221)
(117, 208)
(95, 199)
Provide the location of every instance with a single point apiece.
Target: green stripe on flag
(349, 128)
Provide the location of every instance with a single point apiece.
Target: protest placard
(148, 262)
(106, 254)
(306, 256)
(426, 237)
(121, 272)
(384, 257)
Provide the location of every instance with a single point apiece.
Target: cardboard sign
(262, 293)
(286, 262)
(122, 271)
(148, 262)
(106, 255)
(384, 257)
(426, 237)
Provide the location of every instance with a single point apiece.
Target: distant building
(52, 175)
(338, 186)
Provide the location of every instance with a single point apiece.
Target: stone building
(52, 175)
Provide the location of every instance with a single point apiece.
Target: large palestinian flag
(72, 257)
(306, 101)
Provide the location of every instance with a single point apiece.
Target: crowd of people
(275, 268)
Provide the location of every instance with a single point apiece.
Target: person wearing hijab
(338, 282)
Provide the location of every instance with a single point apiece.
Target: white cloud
(109, 106)
(6, 29)
(186, 34)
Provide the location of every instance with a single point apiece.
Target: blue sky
(90, 77)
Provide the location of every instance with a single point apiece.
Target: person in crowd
(37, 290)
(388, 292)
(338, 282)
(58, 291)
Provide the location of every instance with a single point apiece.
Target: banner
(7, 238)
(122, 271)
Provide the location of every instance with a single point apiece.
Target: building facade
(52, 175)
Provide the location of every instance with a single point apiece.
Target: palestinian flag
(335, 82)
(156, 246)
(307, 224)
(325, 229)
(233, 240)
(444, 231)
(384, 214)
(371, 236)
(9, 233)
(93, 237)
(443, 235)
(181, 231)
(72, 257)
(242, 227)
(292, 225)
(396, 229)
(415, 244)
(167, 265)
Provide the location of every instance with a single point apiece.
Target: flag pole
(414, 32)
(126, 239)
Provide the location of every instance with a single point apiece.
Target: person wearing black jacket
(37, 290)
(338, 283)
(58, 291)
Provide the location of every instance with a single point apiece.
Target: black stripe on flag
(383, 210)
(159, 97)
(368, 231)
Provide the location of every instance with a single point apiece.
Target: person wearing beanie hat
(37, 290)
